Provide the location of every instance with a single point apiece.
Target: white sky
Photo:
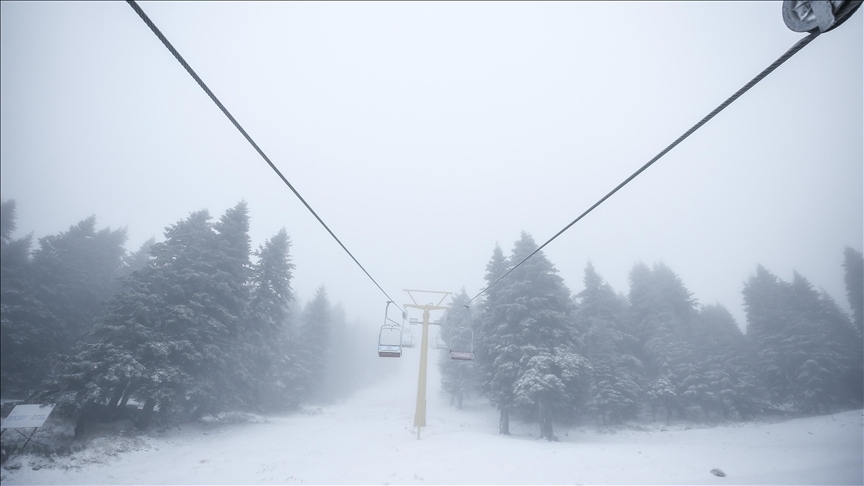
(424, 133)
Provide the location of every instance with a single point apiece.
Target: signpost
(26, 416)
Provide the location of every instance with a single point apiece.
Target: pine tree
(496, 374)
(767, 316)
(313, 340)
(269, 334)
(807, 350)
(75, 271)
(230, 294)
(169, 336)
(139, 259)
(730, 383)
(536, 361)
(25, 322)
(457, 376)
(51, 301)
(664, 315)
(616, 380)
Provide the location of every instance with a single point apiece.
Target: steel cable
(785, 57)
(213, 97)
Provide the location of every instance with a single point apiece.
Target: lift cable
(785, 57)
(212, 96)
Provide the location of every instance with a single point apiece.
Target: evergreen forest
(545, 355)
(198, 324)
(201, 323)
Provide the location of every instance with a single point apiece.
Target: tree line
(546, 355)
(196, 324)
(201, 324)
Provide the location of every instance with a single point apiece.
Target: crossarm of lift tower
(429, 306)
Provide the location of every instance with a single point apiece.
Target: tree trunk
(113, 412)
(504, 421)
(146, 414)
(459, 399)
(545, 416)
(668, 411)
(84, 417)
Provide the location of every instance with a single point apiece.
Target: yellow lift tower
(420, 413)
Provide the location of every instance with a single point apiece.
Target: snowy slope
(369, 439)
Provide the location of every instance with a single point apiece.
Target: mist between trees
(200, 324)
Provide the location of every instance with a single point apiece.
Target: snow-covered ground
(369, 439)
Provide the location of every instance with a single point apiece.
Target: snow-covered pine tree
(664, 315)
(843, 340)
(828, 338)
(75, 272)
(51, 301)
(119, 358)
(496, 374)
(537, 342)
(269, 332)
(313, 339)
(790, 325)
(26, 332)
(767, 320)
(721, 346)
(457, 376)
(184, 350)
(232, 269)
(196, 287)
(138, 259)
(616, 379)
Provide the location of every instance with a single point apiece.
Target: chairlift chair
(390, 341)
(439, 341)
(407, 337)
(461, 344)
(389, 338)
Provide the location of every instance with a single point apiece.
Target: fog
(425, 133)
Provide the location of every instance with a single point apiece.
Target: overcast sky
(424, 133)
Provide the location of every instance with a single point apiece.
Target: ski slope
(369, 439)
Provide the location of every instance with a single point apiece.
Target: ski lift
(439, 341)
(461, 344)
(407, 337)
(389, 337)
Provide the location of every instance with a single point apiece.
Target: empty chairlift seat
(462, 344)
(439, 341)
(390, 341)
(407, 338)
(389, 337)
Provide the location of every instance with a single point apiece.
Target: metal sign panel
(23, 416)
